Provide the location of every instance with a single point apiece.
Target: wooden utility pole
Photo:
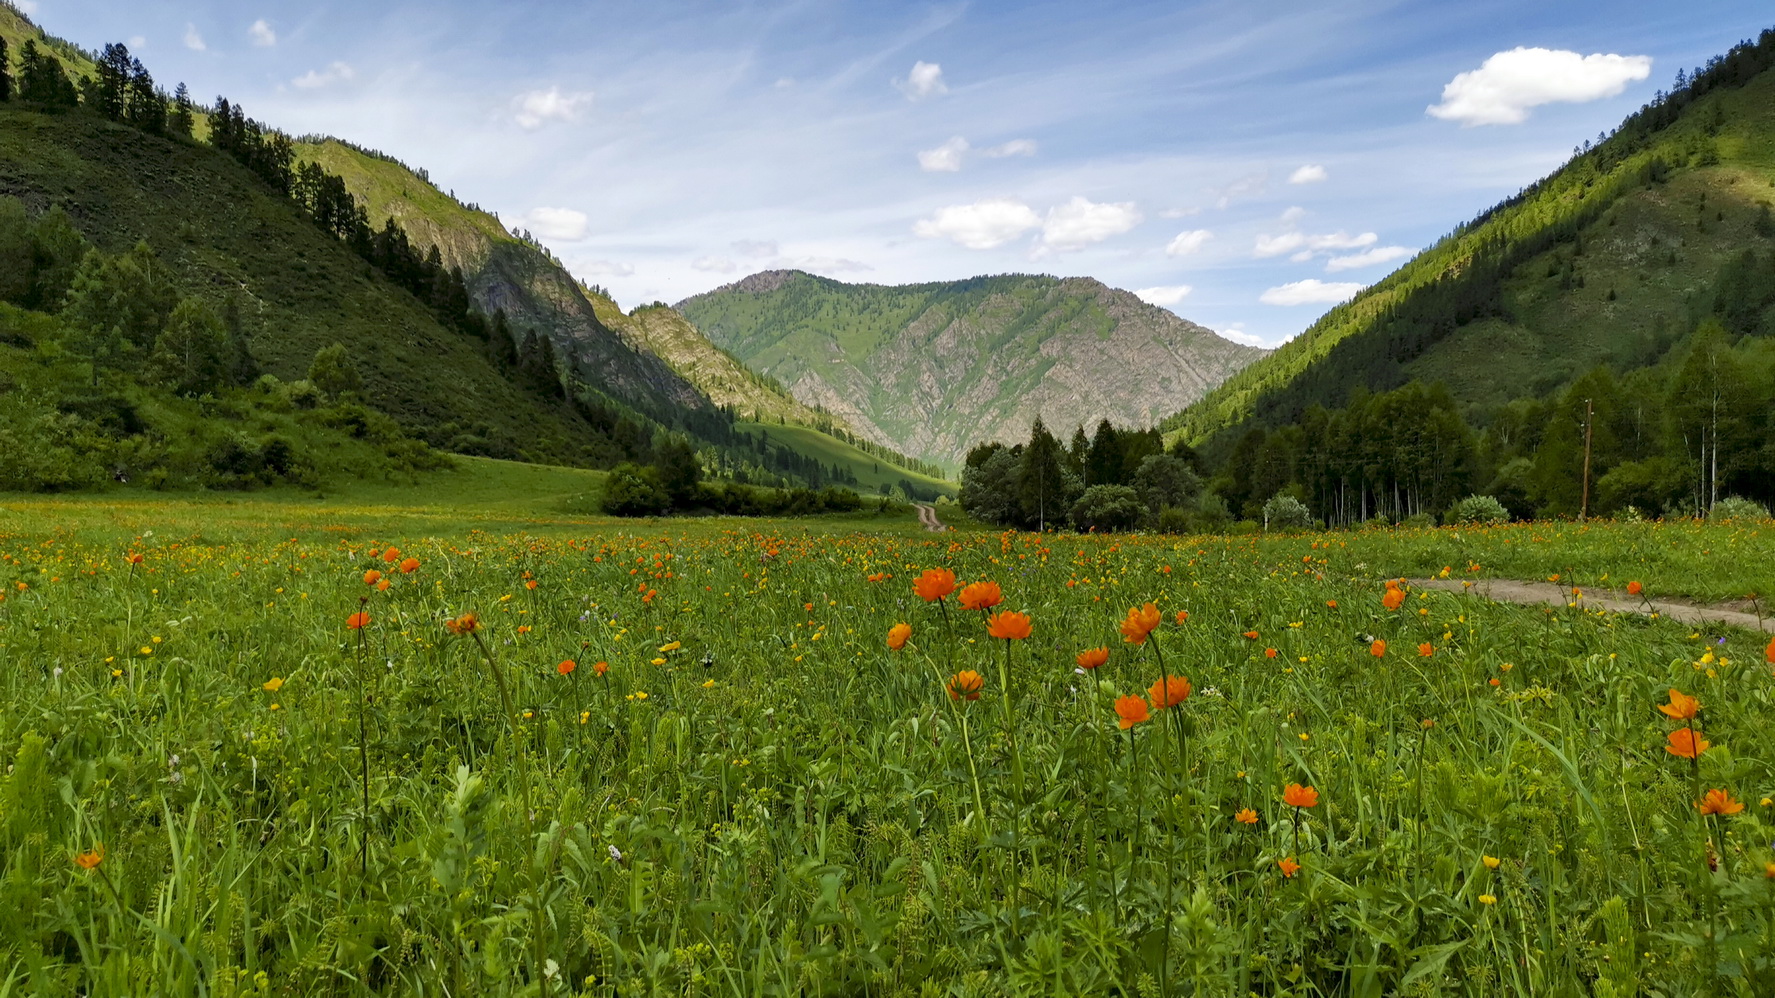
(1589, 413)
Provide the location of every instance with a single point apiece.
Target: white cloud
(1310, 174)
(1505, 86)
(1288, 242)
(713, 264)
(1166, 295)
(823, 264)
(1188, 242)
(1293, 215)
(1310, 292)
(946, 158)
(1380, 254)
(193, 40)
(338, 72)
(1236, 332)
(755, 247)
(261, 34)
(605, 268)
(557, 223)
(925, 80)
(981, 225)
(28, 6)
(1240, 188)
(1180, 212)
(784, 82)
(1015, 147)
(1080, 222)
(538, 107)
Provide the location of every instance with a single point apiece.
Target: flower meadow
(713, 759)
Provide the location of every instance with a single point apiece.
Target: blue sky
(1241, 163)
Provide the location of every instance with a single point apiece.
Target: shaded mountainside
(503, 272)
(932, 369)
(1611, 261)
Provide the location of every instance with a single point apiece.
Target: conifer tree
(5, 74)
(180, 123)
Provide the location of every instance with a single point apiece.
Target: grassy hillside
(872, 472)
(1607, 261)
(932, 369)
(242, 248)
(506, 273)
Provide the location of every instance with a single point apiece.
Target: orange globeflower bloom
(1769, 652)
(382, 586)
(1718, 802)
(135, 557)
(1092, 658)
(1394, 599)
(1331, 603)
(392, 555)
(1250, 635)
(92, 857)
(1425, 651)
(1681, 707)
(372, 577)
(600, 668)
(897, 636)
(1634, 588)
(1269, 653)
(1169, 691)
(1295, 795)
(468, 623)
(1378, 649)
(1140, 622)
(966, 683)
(1686, 744)
(1289, 866)
(357, 621)
(566, 667)
(1130, 710)
(934, 584)
(1009, 625)
(1246, 816)
(409, 566)
(981, 596)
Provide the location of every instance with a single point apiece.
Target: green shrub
(1477, 510)
(631, 491)
(1108, 507)
(1737, 508)
(1284, 512)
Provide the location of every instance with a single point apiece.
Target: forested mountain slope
(1610, 261)
(931, 369)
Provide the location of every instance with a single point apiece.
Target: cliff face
(933, 369)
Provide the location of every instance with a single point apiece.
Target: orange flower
(357, 621)
(1378, 649)
(92, 857)
(1130, 710)
(1091, 658)
(981, 596)
(1394, 599)
(1269, 653)
(1182, 616)
(600, 668)
(392, 555)
(1288, 865)
(372, 577)
(1425, 651)
(1169, 691)
(1251, 635)
(1681, 706)
(468, 623)
(1141, 621)
(1718, 802)
(934, 584)
(1634, 588)
(135, 557)
(382, 586)
(566, 667)
(1010, 625)
(897, 636)
(1295, 795)
(1246, 816)
(1769, 652)
(530, 585)
(1686, 744)
(966, 683)
(1331, 603)
(409, 566)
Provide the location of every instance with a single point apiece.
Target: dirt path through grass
(927, 515)
(1738, 614)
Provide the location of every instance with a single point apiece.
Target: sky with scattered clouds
(1245, 165)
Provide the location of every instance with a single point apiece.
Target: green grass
(872, 472)
(761, 798)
